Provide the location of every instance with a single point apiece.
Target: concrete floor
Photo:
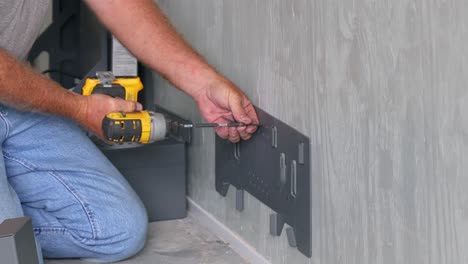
(178, 242)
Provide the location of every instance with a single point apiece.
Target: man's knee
(136, 227)
(104, 233)
(118, 232)
(125, 234)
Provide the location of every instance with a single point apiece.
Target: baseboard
(219, 229)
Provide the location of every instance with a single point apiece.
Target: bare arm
(145, 31)
(24, 89)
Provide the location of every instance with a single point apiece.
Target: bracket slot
(293, 178)
(274, 137)
(283, 169)
(300, 149)
(237, 151)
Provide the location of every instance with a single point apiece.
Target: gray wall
(380, 88)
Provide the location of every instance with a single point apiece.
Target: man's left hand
(223, 102)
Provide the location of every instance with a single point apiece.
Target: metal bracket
(274, 166)
(17, 243)
(105, 77)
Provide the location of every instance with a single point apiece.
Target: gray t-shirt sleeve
(20, 24)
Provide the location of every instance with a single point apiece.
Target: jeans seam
(56, 230)
(7, 125)
(84, 205)
(49, 228)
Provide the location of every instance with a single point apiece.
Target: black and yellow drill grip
(125, 88)
(122, 127)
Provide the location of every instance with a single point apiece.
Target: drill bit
(201, 125)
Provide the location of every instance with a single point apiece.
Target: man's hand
(223, 102)
(95, 107)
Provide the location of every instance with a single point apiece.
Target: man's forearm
(24, 89)
(143, 29)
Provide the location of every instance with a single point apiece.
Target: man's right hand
(95, 107)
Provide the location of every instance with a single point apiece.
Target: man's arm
(144, 30)
(24, 89)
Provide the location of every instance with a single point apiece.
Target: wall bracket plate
(274, 167)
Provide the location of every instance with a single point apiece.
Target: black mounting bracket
(274, 166)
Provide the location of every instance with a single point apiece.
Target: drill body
(142, 127)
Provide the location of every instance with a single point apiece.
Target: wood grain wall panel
(380, 88)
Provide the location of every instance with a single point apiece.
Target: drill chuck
(159, 127)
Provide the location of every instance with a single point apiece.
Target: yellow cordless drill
(143, 126)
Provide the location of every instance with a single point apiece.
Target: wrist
(194, 77)
(79, 113)
(209, 83)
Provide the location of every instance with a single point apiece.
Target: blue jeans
(80, 205)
